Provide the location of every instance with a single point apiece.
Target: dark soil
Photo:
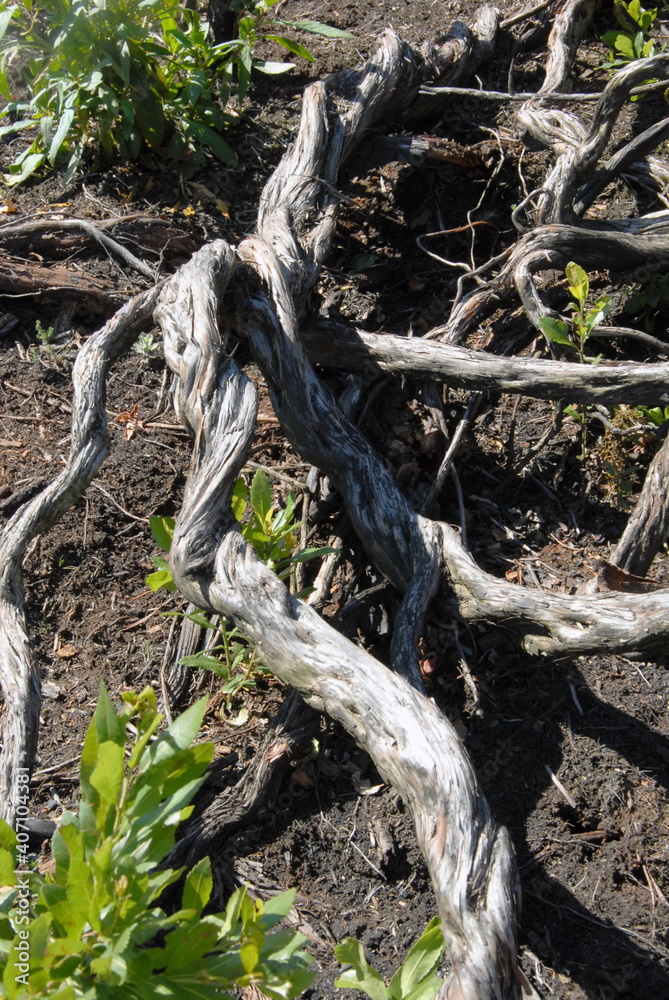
(594, 850)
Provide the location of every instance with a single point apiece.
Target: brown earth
(594, 850)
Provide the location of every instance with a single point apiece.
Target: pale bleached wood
(469, 856)
(340, 346)
(19, 678)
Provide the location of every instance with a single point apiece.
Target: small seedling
(225, 659)
(584, 322)
(416, 979)
(44, 334)
(146, 346)
(271, 531)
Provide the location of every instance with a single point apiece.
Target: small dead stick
(95, 233)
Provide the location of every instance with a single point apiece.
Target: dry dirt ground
(594, 851)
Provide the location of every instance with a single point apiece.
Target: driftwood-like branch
(339, 346)
(14, 232)
(566, 35)
(576, 161)
(637, 149)
(618, 245)
(413, 745)
(19, 278)
(18, 676)
(648, 525)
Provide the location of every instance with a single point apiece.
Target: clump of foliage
(95, 928)
(647, 298)
(270, 530)
(632, 39)
(577, 334)
(416, 979)
(233, 659)
(129, 76)
(146, 346)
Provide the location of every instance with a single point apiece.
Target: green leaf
(197, 617)
(162, 529)
(362, 976)
(107, 777)
(555, 330)
(108, 726)
(205, 662)
(198, 886)
(239, 499)
(28, 166)
(161, 580)
(421, 961)
(178, 736)
(427, 989)
(276, 908)
(8, 838)
(59, 138)
(304, 555)
(5, 17)
(81, 895)
(315, 28)
(213, 141)
(67, 842)
(272, 68)
(291, 46)
(578, 281)
(261, 496)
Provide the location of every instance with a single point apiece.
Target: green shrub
(95, 928)
(128, 75)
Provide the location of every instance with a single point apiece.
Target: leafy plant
(272, 532)
(657, 415)
(162, 529)
(648, 297)
(632, 39)
(415, 980)
(95, 928)
(226, 658)
(146, 346)
(585, 319)
(128, 76)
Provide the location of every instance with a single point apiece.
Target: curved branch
(19, 678)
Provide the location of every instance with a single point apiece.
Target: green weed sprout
(146, 346)
(584, 321)
(129, 77)
(95, 928)
(415, 980)
(272, 532)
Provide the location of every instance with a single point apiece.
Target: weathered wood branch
(616, 245)
(19, 678)
(415, 748)
(569, 27)
(610, 383)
